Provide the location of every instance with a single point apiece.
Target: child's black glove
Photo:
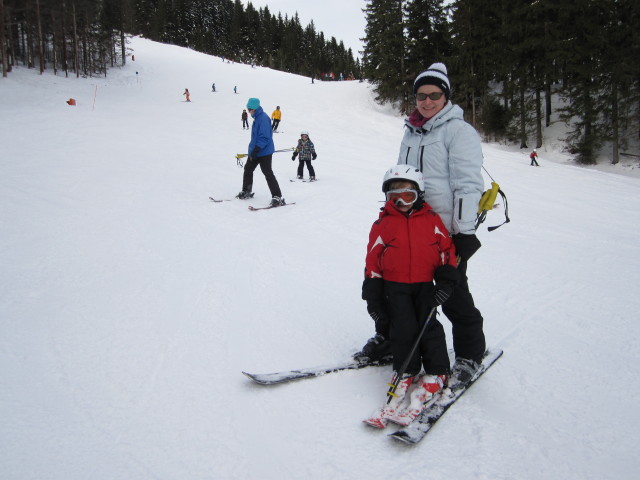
(441, 294)
(446, 278)
(293, 157)
(314, 155)
(466, 245)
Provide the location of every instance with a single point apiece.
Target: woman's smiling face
(429, 108)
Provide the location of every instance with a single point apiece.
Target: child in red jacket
(409, 248)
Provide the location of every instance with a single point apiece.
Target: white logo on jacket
(377, 242)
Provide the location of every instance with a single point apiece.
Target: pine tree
(384, 51)
(428, 40)
(475, 32)
(617, 71)
(583, 83)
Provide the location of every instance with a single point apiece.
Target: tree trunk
(9, 48)
(3, 49)
(29, 40)
(53, 42)
(63, 49)
(615, 125)
(547, 104)
(538, 119)
(473, 100)
(523, 119)
(40, 39)
(76, 59)
(123, 46)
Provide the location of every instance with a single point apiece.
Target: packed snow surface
(130, 303)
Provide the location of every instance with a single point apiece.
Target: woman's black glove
(466, 245)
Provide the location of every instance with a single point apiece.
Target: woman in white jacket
(447, 150)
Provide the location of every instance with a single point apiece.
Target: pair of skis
(418, 428)
(253, 209)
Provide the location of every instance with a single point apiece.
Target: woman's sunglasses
(432, 96)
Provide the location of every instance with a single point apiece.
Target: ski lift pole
(393, 386)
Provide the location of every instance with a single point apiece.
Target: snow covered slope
(130, 303)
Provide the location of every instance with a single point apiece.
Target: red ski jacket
(408, 249)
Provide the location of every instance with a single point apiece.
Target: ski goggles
(402, 196)
(433, 96)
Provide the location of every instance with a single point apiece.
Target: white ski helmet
(403, 172)
(304, 132)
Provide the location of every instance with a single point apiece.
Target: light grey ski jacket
(448, 152)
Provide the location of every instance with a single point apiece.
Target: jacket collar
(390, 209)
(257, 112)
(448, 112)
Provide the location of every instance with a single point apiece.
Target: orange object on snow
(71, 101)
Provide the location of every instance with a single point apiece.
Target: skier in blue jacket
(260, 152)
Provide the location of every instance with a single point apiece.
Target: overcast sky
(343, 19)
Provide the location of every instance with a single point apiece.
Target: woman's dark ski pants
(466, 320)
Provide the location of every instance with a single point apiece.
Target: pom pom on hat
(253, 103)
(436, 75)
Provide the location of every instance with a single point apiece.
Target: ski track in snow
(130, 303)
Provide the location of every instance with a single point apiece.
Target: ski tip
(402, 437)
(375, 422)
(255, 378)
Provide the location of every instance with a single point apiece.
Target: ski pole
(393, 386)
(242, 155)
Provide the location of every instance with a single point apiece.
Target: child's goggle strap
(404, 196)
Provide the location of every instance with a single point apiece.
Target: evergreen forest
(87, 37)
(513, 64)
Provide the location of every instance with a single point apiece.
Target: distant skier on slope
(276, 116)
(245, 120)
(534, 158)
